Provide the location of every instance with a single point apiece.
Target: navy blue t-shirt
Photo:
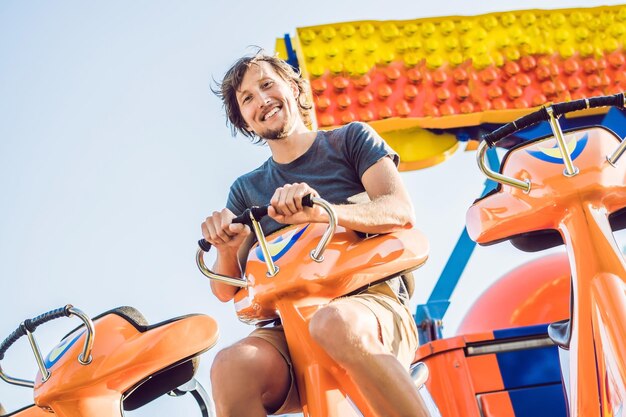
(333, 166)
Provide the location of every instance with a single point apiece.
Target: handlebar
(256, 213)
(251, 217)
(551, 115)
(28, 327)
(558, 109)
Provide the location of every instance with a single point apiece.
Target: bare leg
(249, 378)
(350, 335)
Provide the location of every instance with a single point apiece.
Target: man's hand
(224, 235)
(286, 205)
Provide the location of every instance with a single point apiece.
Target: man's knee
(342, 330)
(228, 364)
(327, 323)
(253, 363)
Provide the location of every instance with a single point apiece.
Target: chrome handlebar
(317, 254)
(27, 328)
(550, 114)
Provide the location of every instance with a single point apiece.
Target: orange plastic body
(578, 207)
(450, 383)
(304, 285)
(122, 357)
(459, 382)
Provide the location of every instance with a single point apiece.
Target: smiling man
(374, 336)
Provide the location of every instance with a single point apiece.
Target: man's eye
(267, 84)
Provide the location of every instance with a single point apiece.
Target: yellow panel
(489, 39)
(405, 76)
(446, 72)
(419, 148)
(281, 49)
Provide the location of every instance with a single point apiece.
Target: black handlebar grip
(570, 106)
(503, 131)
(616, 100)
(12, 338)
(204, 245)
(242, 218)
(532, 118)
(519, 124)
(258, 213)
(307, 201)
(31, 324)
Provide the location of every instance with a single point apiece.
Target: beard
(280, 132)
(276, 134)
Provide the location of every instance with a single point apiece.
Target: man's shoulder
(346, 135)
(252, 175)
(348, 129)
(245, 189)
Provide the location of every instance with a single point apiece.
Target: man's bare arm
(389, 208)
(228, 239)
(228, 265)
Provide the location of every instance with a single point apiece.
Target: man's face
(267, 102)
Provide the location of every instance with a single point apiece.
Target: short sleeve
(236, 202)
(364, 147)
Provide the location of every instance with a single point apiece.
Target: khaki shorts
(397, 329)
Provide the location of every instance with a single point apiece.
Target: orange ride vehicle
(114, 362)
(297, 270)
(564, 188)
(117, 362)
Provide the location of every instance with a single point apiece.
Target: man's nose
(263, 99)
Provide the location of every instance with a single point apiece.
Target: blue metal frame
(292, 59)
(429, 316)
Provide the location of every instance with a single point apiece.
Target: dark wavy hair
(226, 90)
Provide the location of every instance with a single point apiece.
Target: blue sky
(113, 150)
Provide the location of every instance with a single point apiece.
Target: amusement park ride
(545, 340)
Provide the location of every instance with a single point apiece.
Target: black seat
(161, 382)
(539, 240)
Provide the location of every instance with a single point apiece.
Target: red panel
(398, 90)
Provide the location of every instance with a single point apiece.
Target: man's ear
(294, 89)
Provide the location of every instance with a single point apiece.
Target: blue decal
(56, 353)
(280, 245)
(539, 401)
(553, 155)
(534, 330)
(527, 367)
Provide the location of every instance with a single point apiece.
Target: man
(374, 336)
